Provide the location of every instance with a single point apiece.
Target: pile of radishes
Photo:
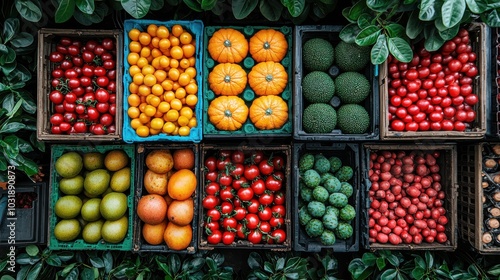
(435, 90)
(406, 198)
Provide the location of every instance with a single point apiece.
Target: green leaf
(492, 4)
(400, 49)
(9, 103)
(254, 260)
(242, 8)
(87, 273)
(492, 18)
(3, 165)
(365, 20)
(419, 262)
(35, 271)
(65, 11)
(370, 258)
(32, 250)
(12, 127)
(359, 270)
(380, 261)
(23, 272)
(107, 258)
(368, 36)
(477, 6)
(14, 110)
(321, 10)
(429, 10)
(22, 40)
(197, 264)
(380, 5)
(409, 2)
(494, 270)
(268, 267)
(136, 8)
(65, 255)
(73, 274)
(174, 263)
(207, 5)
(280, 264)
(349, 32)
(10, 29)
(20, 75)
(389, 274)
(418, 273)
(356, 10)
(392, 259)
(31, 10)
(96, 261)
(86, 6)
(295, 7)
(271, 9)
(100, 12)
(433, 40)
(8, 57)
(450, 33)
(193, 5)
(395, 30)
(24, 146)
(156, 5)
(53, 260)
(452, 12)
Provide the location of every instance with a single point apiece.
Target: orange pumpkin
(269, 112)
(228, 112)
(268, 78)
(268, 45)
(227, 79)
(228, 45)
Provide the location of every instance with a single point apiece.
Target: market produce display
(83, 86)
(166, 206)
(94, 193)
(244, 198)
(334, 87)
(248, 79)
(163, 88)
(407, 198)
(326, 211)
(434, 92)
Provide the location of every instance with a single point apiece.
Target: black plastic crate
(371, 103)
(283, 150)
(349, 154)
(31, 223)
(142, 150)
(448, 171)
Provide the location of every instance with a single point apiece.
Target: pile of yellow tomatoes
(163, 89)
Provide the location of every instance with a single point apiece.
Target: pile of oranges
(163, 90)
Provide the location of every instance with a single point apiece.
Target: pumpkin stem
(228, 113)
(227, 78)
(267, 45)
(227, 43)
(269, 112)
(269, 77)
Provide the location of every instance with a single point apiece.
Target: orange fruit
(178, 237)
(155, 183)
(133, 34)
(160, 161)
(184, 131)
(183, 159)
(152, 209)
(152, 28)
(181, 212)
(188, 50)
(182, 184)
(185, 37)
(144, 38)
(162, 32)
(176, 52)
(153, 234)
(177, 30)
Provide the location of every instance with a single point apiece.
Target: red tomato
(255, 236)
(273, 183)
(265, 213)
(266, 199)
(258, 186)
(252, 221)
(245, 194)
(215, 237)
(209, 202)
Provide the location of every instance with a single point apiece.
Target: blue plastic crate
(196, 29)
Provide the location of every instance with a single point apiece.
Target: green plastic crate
(248, 129)
(79, 243)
